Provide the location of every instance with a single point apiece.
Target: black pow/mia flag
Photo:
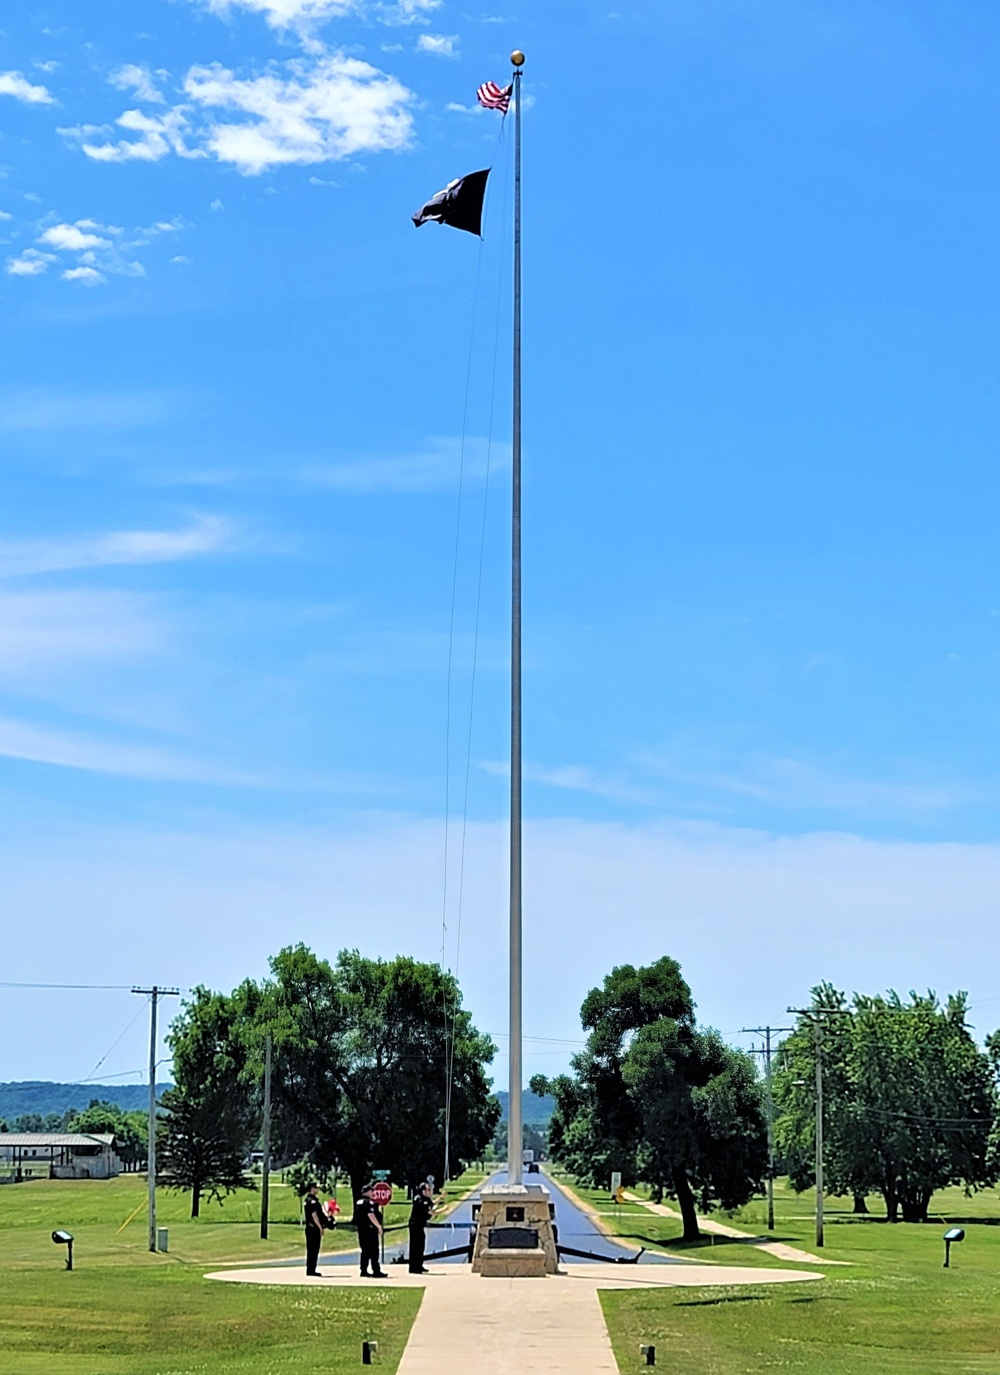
(460, 204)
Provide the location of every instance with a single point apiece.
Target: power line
(118, 988)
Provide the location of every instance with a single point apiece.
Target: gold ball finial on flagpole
(517, 57)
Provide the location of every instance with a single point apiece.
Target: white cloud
(322, 111)
(72, 237)
(30, 263)
(287, 14)
(99, 249)
(206, 535)
(48, 67)
(17, 85)
(158, 136)
(87, 276)
(138, 80)
(438, 44)
(309, 111)
(303, 17)
(408, 11)
(6, 215)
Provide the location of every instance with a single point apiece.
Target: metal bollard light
(649, 1354)
(952, 1234)
(368, 1350)
(65, 1239)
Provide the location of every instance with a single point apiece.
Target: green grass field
(894, 1309)
(123, 1311)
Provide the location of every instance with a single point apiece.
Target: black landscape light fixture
(368, 1350)
(647, 1354)
(952, 1234)
(65, 1239)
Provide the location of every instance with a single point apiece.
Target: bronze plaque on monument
(513, 1239)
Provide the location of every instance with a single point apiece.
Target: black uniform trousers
(418, 1242)
(314, 1240)
(369, 1239)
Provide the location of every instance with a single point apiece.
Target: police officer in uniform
(315, 1221)
(420, 1214)
(369, 1223)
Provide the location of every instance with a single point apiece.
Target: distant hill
(34, 1095)
(533, 1109)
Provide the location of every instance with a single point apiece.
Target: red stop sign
(381, 1193)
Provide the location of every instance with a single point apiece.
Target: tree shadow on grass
(722, 1298)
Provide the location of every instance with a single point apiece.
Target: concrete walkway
(496, 1326)
(779, 1249)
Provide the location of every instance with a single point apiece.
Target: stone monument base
(514, 1233)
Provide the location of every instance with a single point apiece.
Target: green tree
(361, 1050)
(658, 1099)
(212, 1114)
(130, 1137)
(909, 1099)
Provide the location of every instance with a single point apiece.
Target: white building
(57, 1155)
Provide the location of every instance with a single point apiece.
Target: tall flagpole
(514, 1133)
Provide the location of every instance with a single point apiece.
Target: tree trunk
(860, 1203)
(196, 1200)
(685, 1199)
(891, 1204)
(358, 1182)
(656, 1193)
(915, 1207)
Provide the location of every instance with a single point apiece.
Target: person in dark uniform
(315, 1221)
(420, 1214)
(369, 1223)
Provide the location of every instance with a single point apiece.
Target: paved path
(779, 1249)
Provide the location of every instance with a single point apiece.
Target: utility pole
(815, 1015)
(767, 1032)
(154, 995)
(266, 1140)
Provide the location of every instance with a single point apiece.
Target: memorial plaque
(513, 1239)
(515, 1214)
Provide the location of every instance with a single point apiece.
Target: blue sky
(244, 407)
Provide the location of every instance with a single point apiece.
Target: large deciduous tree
(363, 1054)
(212, 1114)
(659, 1099)
(909, 1099)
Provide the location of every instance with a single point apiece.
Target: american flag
(491, 97)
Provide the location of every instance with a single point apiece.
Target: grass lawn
(895, 1309)
(123, 1311)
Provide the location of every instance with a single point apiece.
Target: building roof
(69, 1139)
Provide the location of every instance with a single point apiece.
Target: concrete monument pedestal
(514, 1233)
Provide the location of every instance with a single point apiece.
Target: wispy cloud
(438, 44)
(45, 631)
(311, 110)
(798, 784)
(434, 469)
(16, 84)
(45, 745)
(206, 535)
(580, 778)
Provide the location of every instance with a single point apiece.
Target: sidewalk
(779, 1249)
(551, 1326)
